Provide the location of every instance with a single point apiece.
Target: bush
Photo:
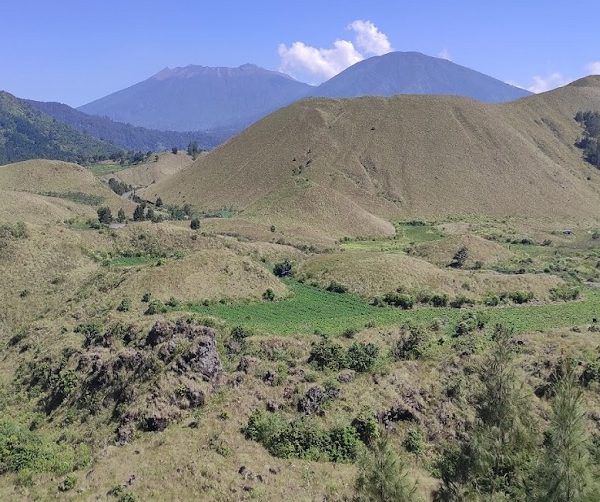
(269, 295)
(520, 297)
(414, 441)
(327, 354)
(104, 215)
(411, 344)
(460, 301)
(460, 258)
(401, 300)
(195, 224)
(283, 269)
(564, 293)
(469, 323)
(155, 307)
(367, 427)
(302, 438)
(362, 356)
(439, 300)
(125, 305)
(336, 287)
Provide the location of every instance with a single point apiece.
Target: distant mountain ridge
(415, 73)
(200, 98)
(27, 133)
(125, 135)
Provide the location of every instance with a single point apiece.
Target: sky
(77, 51)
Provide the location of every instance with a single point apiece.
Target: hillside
(200, 98)
(26, 133)
(415, 73)
(125, 135)
(344, 167)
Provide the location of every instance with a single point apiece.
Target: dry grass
(152, 171)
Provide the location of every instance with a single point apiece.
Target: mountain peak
(192, 71)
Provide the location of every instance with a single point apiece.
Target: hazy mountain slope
(26, 133)
(200, 98)
(415, 73)
(125, 135)
(345, 166)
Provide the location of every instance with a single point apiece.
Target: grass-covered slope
(341, 166)
(27, 133)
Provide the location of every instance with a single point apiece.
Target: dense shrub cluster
(590, 141)
(302, 438)
(359, 356)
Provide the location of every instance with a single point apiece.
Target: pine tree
(138, 214)
(499, 458)
(104, 215)
(565, 474)
(121, 216)
(383, 476)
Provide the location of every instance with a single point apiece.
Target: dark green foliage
(105, 215)
(155, 307)
(302, 438)
(359, 357)
(414, 441)
(121, 218)
(398, 299)
(367, 427)
(590, 142)
(125, 305)
(469, 323)
(460, 258)
(520, 297)
(283, 268)
(159, 202)
(193, 150)
(195, 224)
(119, 187)
(412, 343)
(460, 301)
(174, 150)
(336, 287)
(566, 472)
(9, 232)
(439, 300)
(269, 295)
(362, 357)
(138, 213)
(78, 197)
(383, 476)
(498, 458)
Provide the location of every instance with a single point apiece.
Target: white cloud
(548, 82)
(369, 40)
(445, 54)
(593, 68)
(317, 64)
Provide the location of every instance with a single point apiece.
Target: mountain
(125, 135)
(26, 133)
(349, 167)
(415, 73)
(200, 98)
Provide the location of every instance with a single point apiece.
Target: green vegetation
(406, 234)
(78, 197)
(311, 309)
(590, 141)
(302, 438)
(26, 452)
(106, 168)
(26, 133)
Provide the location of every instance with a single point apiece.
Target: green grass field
(311, 309)
(102, 169)
(132, 261)
(77, 197)
(406, 234)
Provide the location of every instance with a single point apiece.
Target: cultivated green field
(312, 310)
(406, 234)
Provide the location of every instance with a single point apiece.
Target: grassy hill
(26, 133)
(344, 167)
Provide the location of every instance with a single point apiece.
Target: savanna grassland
(182, 329)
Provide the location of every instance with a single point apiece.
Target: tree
(159, 202)
(104, 215)
(121, 218)
(460, 258)
(383, 476)
(193, 150)
(150, 214)
(499, 458)
(283, 269)
(174, 150)
(565, 474)
(195, 224)
(138, 214)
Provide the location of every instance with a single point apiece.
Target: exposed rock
(314, 399)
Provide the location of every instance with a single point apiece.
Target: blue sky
(76, 51)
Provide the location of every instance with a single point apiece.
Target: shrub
(104, 215)
(146, 297)
(155, 307)
(414, 441)
(173, 302)
(362, 356)
(125, 305)
(283, 269)
(67, 484)
(195, 224)
(401, 300)
(367, 427)
(439, 300)
(520, 297)
(121, 218)
(564, 293)
(460, 301)
(460, 258)
(469, 323)
(327, 354)
(269, 295)
(302, 438)
(138, 213)
(411, 343)
(336, 287)
(174, 150)
(349, 333)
